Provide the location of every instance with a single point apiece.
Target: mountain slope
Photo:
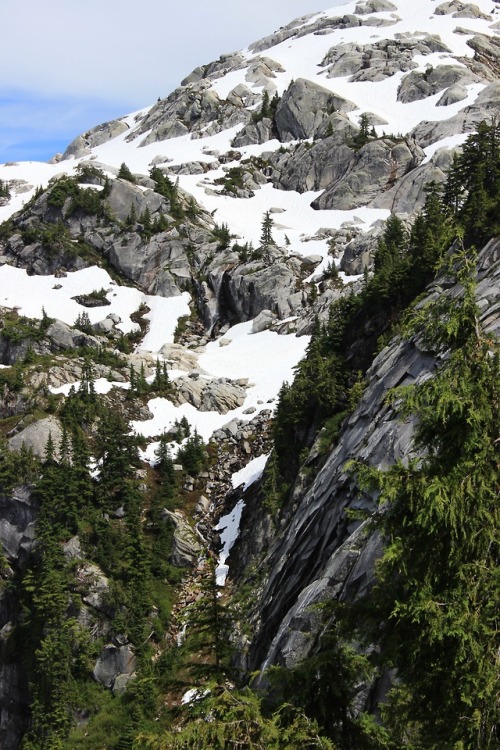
(252, 204)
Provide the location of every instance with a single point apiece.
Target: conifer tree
(266, 236)
(124, 173)
(434, 611)
(208, 631)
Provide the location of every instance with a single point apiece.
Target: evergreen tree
(208, 631)
(116, 452)
(266, 236)
(145, 220)
(124, 173)
(131, 219)
(192, 455)
(433, 611)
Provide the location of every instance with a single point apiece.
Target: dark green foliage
(209, 625)
(473, 187)
(232, 181)
(17, 467)
(164, 185)
(83, 323)
(63, 189)
(266, 236)
(268, 108)
(117, 454)
(124, 173)
(89, 173)
(88, 201)
(82, 405)
(57, 649)
(364, 135)
(222, 235)
(85, 200)
(236, 719)
(145, 220)
(326, 685)
(4, 189)
(192, 455)
(169, 190)
(434, 611)
(131, 219)
(318, 391)
(17, 328)
(161, 383)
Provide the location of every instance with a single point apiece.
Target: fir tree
(434, 610)
(208, 632)
(266, 236)
(124, 173)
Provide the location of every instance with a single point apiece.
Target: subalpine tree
(434, 609)
(116, 451)
(124, 173)
(207, 643)
(236, 719)
(266, 236)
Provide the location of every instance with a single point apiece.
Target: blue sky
(67, 65)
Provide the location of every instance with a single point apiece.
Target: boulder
(452, 95)
(409, 194)
(72, 549)
(379, 60)
(254, 132)
(186, 545)
(219, 395)
(263, 321)
(178, 357)
(374, 6)
(318, 166)
(101, 134)
(460, 10)
(95, 587)
(249, 288)
(113, 662)
(485, 106)
(417, 85)
(36, 435)
(304, 108)
(124, 195)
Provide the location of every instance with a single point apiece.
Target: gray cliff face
(18, 512)
(374, 169)
(314, 552)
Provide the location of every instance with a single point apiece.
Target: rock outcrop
(304, 109)
(319, 553)
(36, 435)
(375, 169)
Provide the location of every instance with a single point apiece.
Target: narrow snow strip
(446, 143)
(229, 526)
(250, 473)
(101, 386)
